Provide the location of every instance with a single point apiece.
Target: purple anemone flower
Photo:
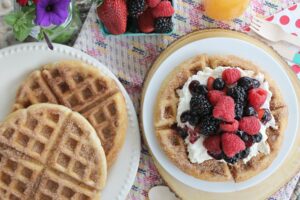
(51, 12)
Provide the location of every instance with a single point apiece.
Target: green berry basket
(128, 33)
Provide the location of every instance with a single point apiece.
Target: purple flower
(51, 12)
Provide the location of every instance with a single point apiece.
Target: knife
(287, 53)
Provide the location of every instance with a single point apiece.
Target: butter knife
(287, 53)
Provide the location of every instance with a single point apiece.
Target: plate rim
(133, 123)
(196, 36)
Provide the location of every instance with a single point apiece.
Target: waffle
(49, 152)
(174, 146)
(84, 89)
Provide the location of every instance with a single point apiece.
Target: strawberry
(146, 22)
(214, 96)
(213, 144)
(224, 109)
(250, 125)
(257, 97)
(210, 82)
(163, 9)
(232, 144)
(113, 14)
(230, 127)
(231, 76)
(152, 3)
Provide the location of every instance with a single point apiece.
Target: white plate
(17, 62)
(222, 46)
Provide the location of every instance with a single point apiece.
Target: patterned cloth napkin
(131, 57)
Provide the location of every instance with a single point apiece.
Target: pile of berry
(147, 16)
(228, 111)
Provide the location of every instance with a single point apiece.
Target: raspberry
(146, 22)
(163, 9)
(232, 144)
(250, 125)
(152, 3)
(257, 97)
(224, 109)
(210, 83)
(231, 76)
(213, 144)
(230, 127)
(193, 135)
(214, 96)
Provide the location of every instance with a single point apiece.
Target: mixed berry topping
(227, 111)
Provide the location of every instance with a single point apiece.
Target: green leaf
(13, 17)
(22, 32)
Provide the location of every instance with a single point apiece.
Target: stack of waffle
(50, 151)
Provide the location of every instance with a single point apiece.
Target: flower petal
(43, 19)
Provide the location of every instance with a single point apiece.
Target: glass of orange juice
(225, 9)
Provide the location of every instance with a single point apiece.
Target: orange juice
(225, 9)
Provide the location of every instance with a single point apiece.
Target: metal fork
(272, 32)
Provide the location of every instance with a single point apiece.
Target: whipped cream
(197, 153)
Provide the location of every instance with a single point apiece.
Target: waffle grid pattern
(82, 89)
(29, 145)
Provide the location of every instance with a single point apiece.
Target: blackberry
(249, 111)
(244, 154)
(216, 156)
(194, 119)
(266, 116)
(135, 7)
(196, 88)
(132, 25)
(163, 25)
(200, 105)
(257, 138)
(218, 84)
(239, 110)
(180, 131)
(185, 116)
(209, 125)
(238, 93)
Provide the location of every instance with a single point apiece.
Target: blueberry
(266, 116)
(216, 156)
(245, 153)
(245, 82)
(231, 160)
(257, 138)
(240, 133)
(244, 136)
(256, 83)
(249, 111)
(197, 89)
(194, 119)
(248, 83)
(218, 84)
(185, 116)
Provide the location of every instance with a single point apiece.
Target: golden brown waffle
(174, 146)
(83, 89)
(60, 150)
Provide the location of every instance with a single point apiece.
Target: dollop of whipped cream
(197, 153)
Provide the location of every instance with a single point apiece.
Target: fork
(272, 32)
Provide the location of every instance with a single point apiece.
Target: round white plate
(18, 61)
(221, 46)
